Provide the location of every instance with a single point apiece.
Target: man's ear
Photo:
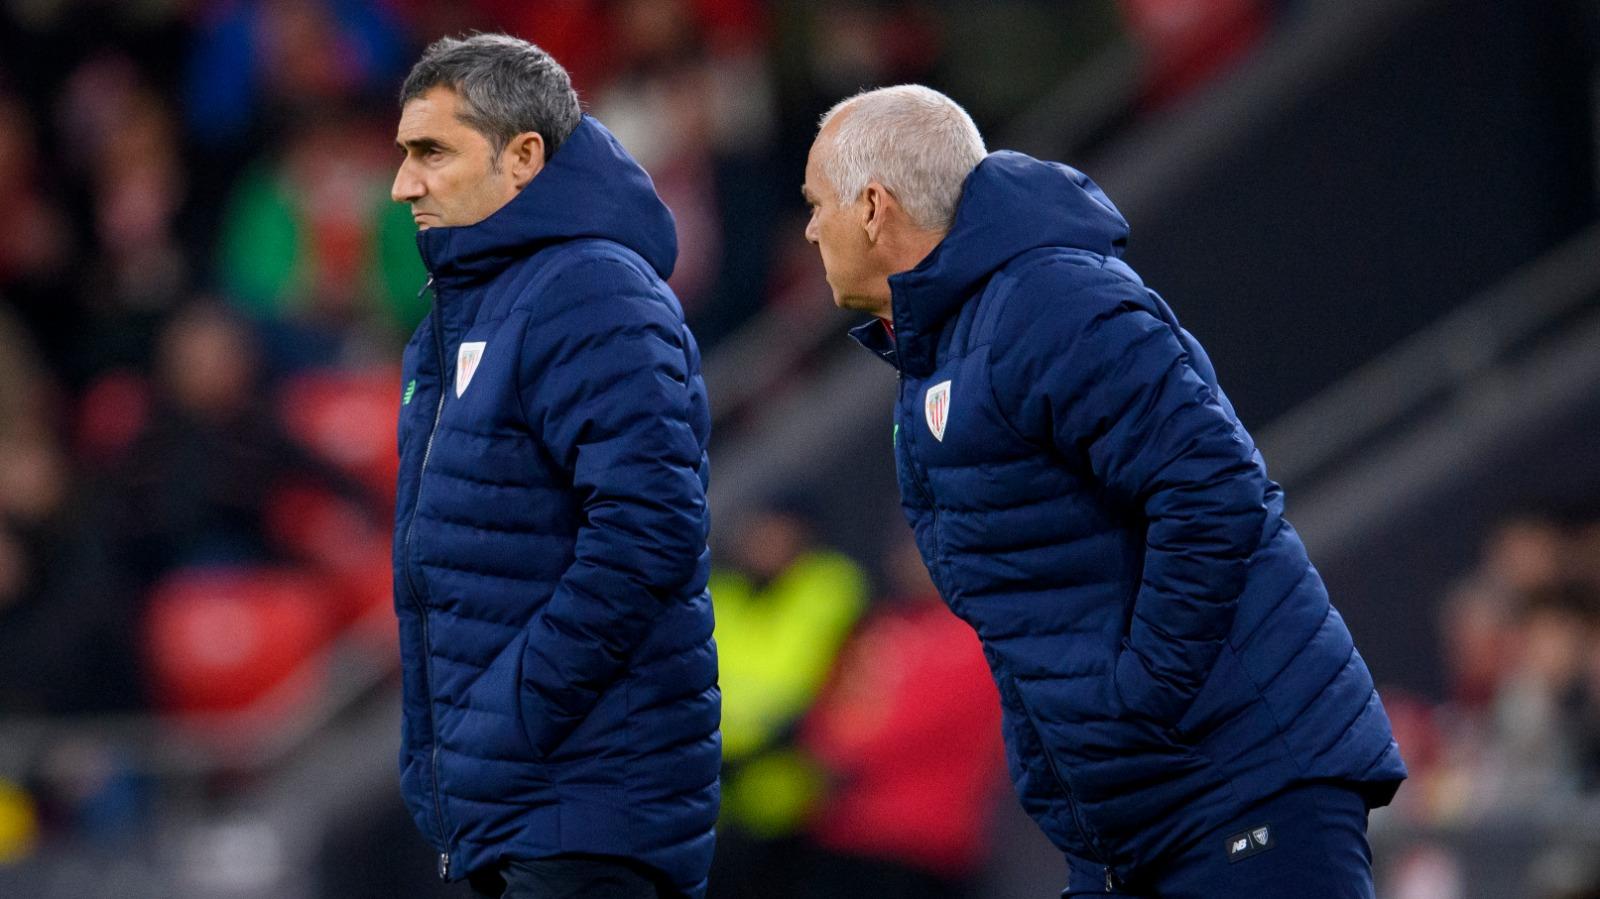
(875, 201)
(524, 155)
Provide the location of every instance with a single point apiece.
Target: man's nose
(811, 230)
(407, 186)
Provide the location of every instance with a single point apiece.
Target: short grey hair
(915, 141)
(507, 87)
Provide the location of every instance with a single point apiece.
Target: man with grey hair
(1185, 713)
(560, 682)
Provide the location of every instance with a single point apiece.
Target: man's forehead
(811, 188)
(433, 111)
(814, 159)
(817, 185)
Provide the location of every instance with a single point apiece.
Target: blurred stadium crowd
(1519, 728)
(204, 288)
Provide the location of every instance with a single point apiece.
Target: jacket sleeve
(1106, 379)
(606, 385)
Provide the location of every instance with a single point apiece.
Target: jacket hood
(590, 188)
(1010, 204)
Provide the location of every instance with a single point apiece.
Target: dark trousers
(1315, 847)
(565, 877)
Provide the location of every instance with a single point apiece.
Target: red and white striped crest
(467, 359)
(937, 407)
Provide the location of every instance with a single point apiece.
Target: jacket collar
(1010, 204)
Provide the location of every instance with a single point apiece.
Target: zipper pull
(1110, 883)
(426, 287)
(444, 866)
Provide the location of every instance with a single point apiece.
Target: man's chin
(857, 303)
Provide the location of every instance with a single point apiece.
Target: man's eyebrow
(806, 193)
(420, 144)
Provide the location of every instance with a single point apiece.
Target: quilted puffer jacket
(1086, 498)
(559, 674)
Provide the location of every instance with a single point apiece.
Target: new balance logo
(1255, 840)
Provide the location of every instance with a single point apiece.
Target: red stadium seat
(350, 418)
(345, 547)
(235, 640)
(368, 590)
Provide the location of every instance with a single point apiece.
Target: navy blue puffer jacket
(550, 541)
(1086, 499)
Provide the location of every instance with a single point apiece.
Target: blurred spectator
(35, 257)
(1521, 721)
(125, 153)
(197, 484)
(784, 608)
(1524, 553)
(62, 636)
(909, 734)
(1548, 697)
(64, 633)
(685, 87)
(312, 246)
(1479, 648)
(125, 139)
(256, 62)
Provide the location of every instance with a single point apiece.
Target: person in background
(784, 608)
(65, 627)
(1544, 715)
(196, 484)
(908, 733)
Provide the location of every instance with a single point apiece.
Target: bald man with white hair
(1185, 712)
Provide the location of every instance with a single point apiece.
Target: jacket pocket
(1227, 693)
(1122, 773)
(1063, 785)
(492, 707)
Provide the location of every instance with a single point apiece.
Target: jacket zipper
(1072, 798)
(416, 595)
(1072, 801)
(918, 478)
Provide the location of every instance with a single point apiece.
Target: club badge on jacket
(937, 408)
(467, 359)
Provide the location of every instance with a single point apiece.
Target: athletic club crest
(467, 359)
(937, 407)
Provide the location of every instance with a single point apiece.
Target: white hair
(916, 142)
